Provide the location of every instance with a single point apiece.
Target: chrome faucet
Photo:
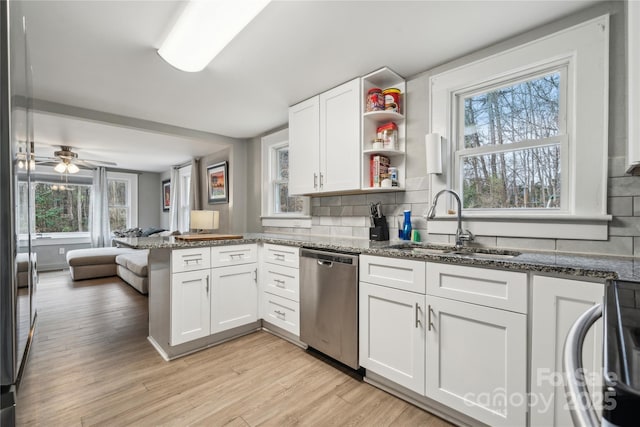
(461, 235)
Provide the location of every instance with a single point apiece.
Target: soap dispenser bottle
(406, 226)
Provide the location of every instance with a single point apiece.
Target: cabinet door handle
(315, 180)
(429, 318)
(207, 284)
(417, 315)
(321, 180)
(255, 275)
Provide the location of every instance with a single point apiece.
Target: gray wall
(233, 214)
(347, 215)
(149, 200)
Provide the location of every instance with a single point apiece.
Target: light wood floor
(91, 364)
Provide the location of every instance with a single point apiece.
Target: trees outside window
(59, 208)
(510, 149)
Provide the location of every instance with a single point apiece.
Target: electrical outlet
(61, 251)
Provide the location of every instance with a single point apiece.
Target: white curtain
(174, 208)
(100, 213)
(195, 198)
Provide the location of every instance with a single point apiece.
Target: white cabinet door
(234, 297)
(340, 138)
(304, 147)
(189, 306)
(392, 334)
(477, 361)
(557, 303)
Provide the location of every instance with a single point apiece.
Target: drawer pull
(279, 283)
(188, 262)
(279, 257)
(280, 314)
(236, 256)
(418, 309)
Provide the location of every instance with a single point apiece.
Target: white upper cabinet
(340, 137)
(304, 146)
(324, 142)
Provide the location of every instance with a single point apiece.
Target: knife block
(380, 229)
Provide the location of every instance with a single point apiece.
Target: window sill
(58, 239)
(532, 226)
(301, 221)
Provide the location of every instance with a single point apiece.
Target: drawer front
(282, 281)
(281, 255)
(506, 290)
(403, 274)
(191, 259)
(221, 256)
(282, 312)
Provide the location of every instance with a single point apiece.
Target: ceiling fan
(66, 161)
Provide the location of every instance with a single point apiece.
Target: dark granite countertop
(588, 266)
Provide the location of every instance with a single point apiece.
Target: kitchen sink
(452, 251)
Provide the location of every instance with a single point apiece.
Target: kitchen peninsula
(202, 293)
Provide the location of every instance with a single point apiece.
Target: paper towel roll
(433, 145)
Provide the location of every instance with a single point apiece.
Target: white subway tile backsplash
(330, 201)
(420, 196)
(354, 221)
(384, 198)
(353, 200)
(330, 220)
(533, 244)
(622, 206)
(613, 246)
(419, 183)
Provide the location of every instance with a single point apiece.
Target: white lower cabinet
(207, 300)
(392, 334)
(190, 306)
(280, 297)
(557, 303)
(477, 360)
(281, 312)
(234, 296)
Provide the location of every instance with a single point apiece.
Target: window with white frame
(278, 208)
(122, 196)
(184, 203)
(511, 143)
(526, 132)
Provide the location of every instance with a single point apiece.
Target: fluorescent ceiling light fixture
(204, 29)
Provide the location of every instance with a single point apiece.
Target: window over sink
(526, 132)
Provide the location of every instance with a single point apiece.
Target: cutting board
(191, 237)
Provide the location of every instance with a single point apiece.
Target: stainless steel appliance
(621, 363)
(17, 303)
(329, 304)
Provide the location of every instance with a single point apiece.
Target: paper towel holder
(433, 149)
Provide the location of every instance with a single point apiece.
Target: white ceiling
(100, 56)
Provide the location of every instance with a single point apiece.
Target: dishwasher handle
(326, 258)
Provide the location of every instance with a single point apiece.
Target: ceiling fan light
(60, 167)
(204, 28)
(72, 168)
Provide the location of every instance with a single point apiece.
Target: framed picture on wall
(218, 183)
(166, 195)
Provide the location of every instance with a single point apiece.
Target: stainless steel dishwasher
(329, 304)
